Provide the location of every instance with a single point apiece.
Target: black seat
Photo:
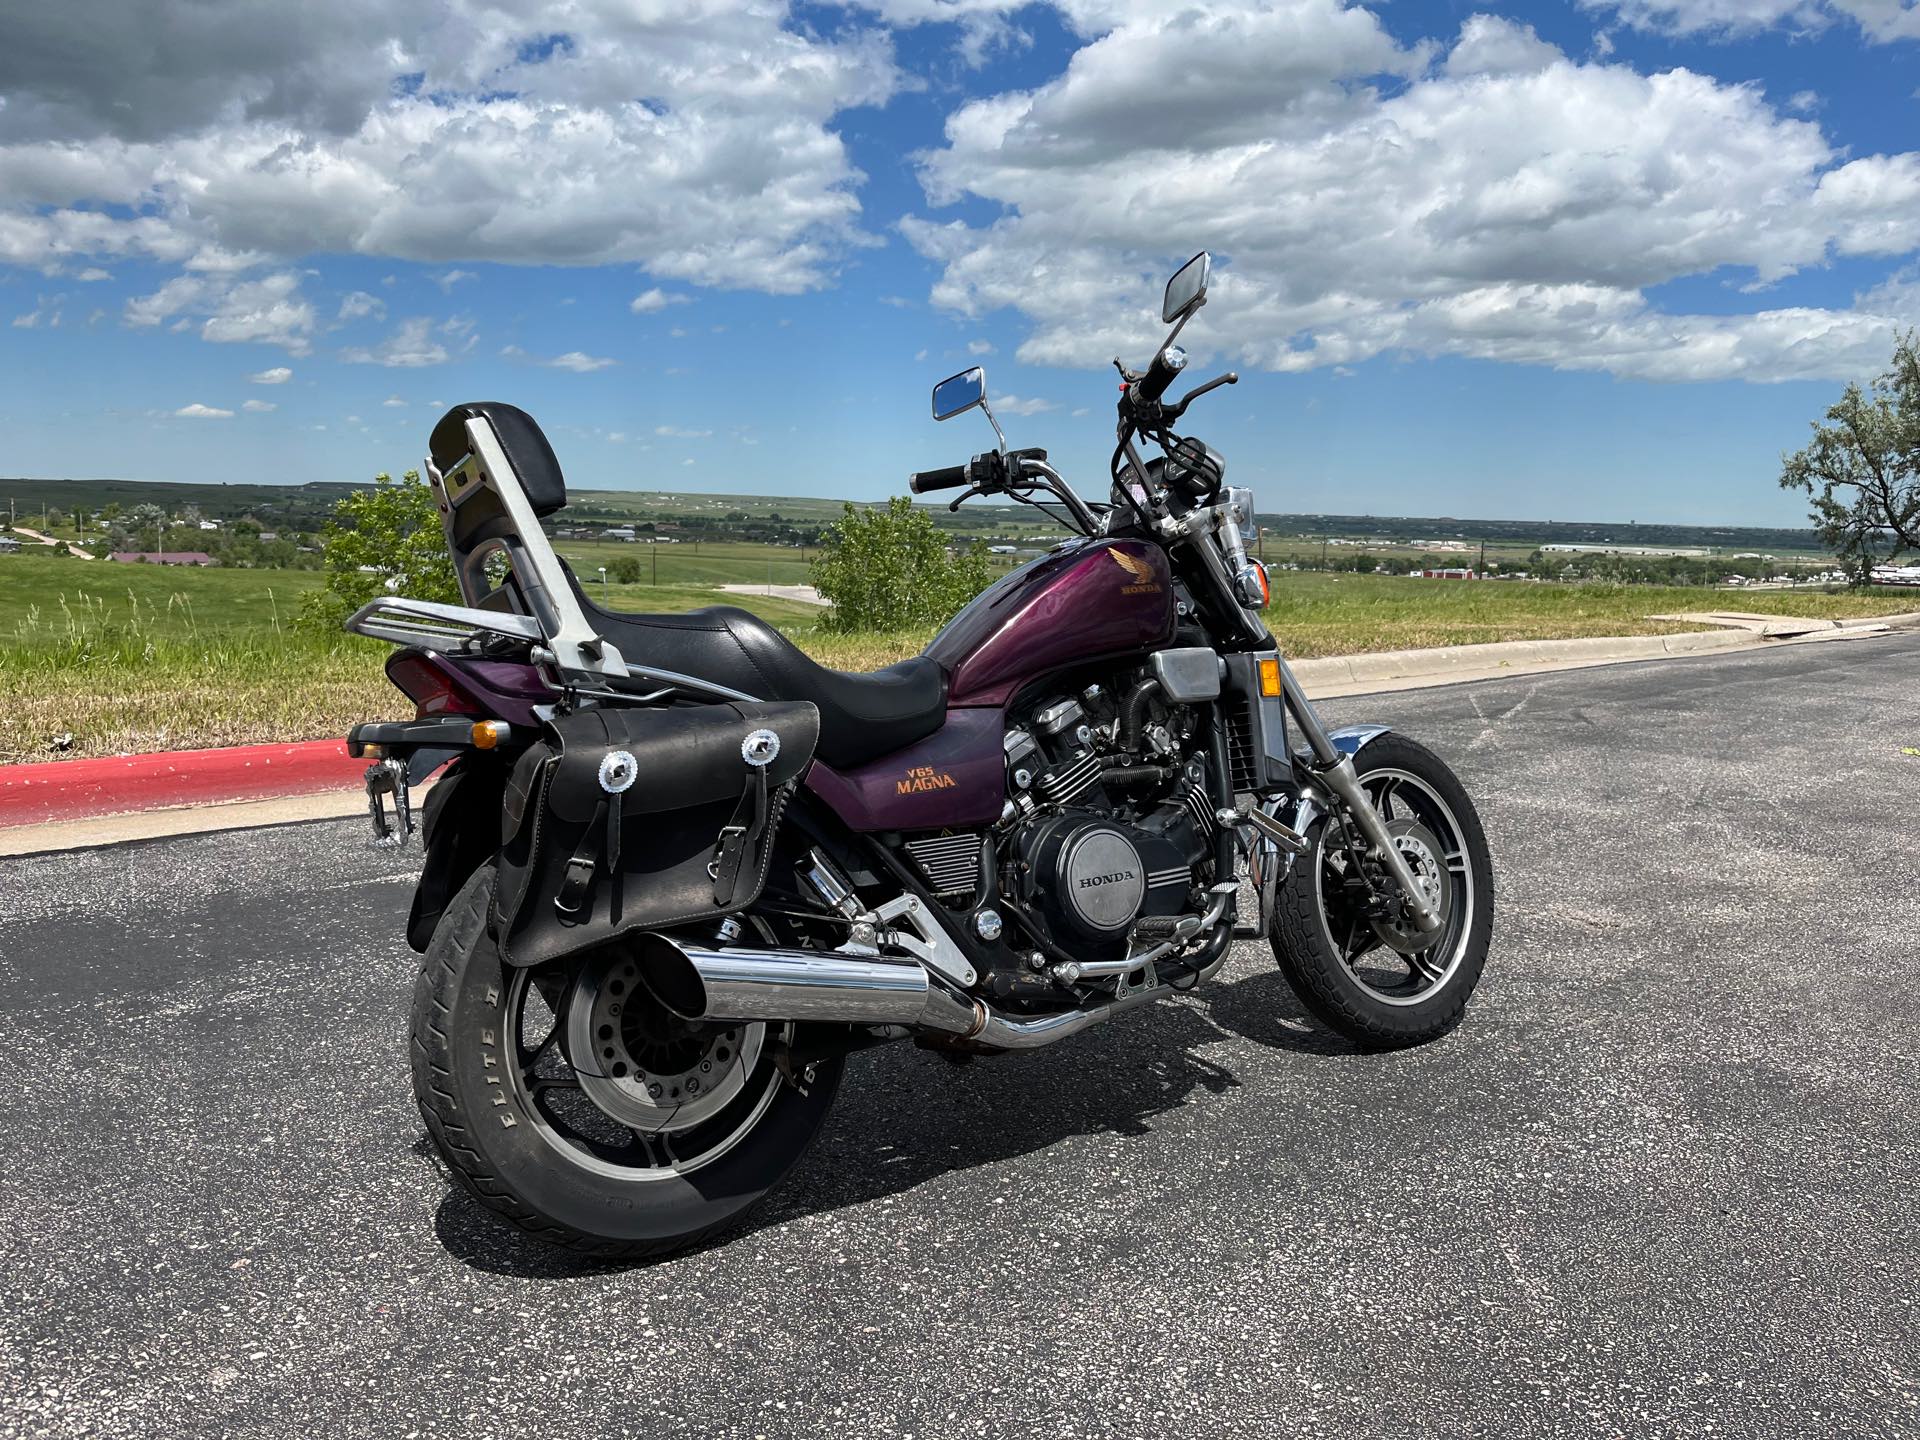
(862, 717)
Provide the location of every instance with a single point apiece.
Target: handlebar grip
(1152, 385)
(921, 481)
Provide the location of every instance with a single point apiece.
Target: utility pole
(655, 548)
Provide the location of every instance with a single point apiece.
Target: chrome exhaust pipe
(696, 983)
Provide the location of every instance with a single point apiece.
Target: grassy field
(132, 658)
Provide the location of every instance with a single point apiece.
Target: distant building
(8, 544)
(267, 537)
(162, 557)
(209, 524)
(622, 532)
(1449, 574)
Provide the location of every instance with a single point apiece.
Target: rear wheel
(581, 1110)
(1372, 976)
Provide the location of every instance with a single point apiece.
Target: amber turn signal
(487, 734)
(1270, 677)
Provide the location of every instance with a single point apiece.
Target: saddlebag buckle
(389, 804)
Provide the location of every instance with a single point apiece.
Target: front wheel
(571, 1103)
(1362, 970)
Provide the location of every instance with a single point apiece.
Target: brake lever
(966, 495)
(1176, 411)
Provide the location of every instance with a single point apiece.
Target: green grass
(132, 658)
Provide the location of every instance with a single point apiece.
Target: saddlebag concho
(624, 820)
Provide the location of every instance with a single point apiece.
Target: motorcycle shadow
(905, 1116)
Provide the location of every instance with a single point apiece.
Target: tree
(149, 520)
(1862, 471)
(382, 541)
(890, 569)
(626, 571)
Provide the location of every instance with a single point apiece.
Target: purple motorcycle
(675, 871)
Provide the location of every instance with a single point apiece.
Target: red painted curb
(78, 789)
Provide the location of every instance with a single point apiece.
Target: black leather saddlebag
(642, 819)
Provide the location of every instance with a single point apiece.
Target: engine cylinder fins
(1200, 808)
(951, 863)
(1064, 784)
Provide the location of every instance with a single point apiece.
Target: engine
(1107, 819)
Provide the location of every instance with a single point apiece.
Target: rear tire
(1338, 963)
(495, 1128)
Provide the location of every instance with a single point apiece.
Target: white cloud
(979, 347)
(1507, 202)
(1015, 405)
(648, 302)
(278, 375)
(258, 407)
(579, 362)
(446, 280)
(394, 402)
(359, 305)
(269, 310)
(197, 411)
(410, 347)
(1883, 21)
(697, 140)
(674, 432)
(91, 274)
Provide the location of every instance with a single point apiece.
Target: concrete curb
(1508, 657)
(67, 790)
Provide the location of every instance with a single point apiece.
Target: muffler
(696, 983)
(701, 984)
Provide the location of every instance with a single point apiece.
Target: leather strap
(739, 838)
(575, 899)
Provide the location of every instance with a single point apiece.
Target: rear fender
(459, 830)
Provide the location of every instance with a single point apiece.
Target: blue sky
(1576, 260)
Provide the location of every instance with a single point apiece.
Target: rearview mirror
(1187, 290)
(958, 394)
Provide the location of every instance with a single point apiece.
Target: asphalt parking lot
(1662, 1182)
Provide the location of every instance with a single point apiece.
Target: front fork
(1333, 768)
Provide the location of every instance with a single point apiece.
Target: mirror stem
(998, 432)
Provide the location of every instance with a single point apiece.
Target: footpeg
(1285, 836)
(389, 804)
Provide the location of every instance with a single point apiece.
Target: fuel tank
(1077, 603)
(1094, 598)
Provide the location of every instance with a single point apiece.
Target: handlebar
(922, 481)
(1151, 386)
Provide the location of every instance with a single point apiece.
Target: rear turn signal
(488, 734)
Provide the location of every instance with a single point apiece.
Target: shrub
(382, 541)
(890, 569)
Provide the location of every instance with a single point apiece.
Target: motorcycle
(676, 872)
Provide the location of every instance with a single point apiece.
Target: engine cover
(1092, 877)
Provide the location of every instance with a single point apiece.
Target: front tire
(569, 1145)
(1360, 977)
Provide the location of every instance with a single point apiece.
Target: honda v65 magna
(676, 871)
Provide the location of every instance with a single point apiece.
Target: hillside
(799, 519)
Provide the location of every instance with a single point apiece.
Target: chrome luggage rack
(449, 629)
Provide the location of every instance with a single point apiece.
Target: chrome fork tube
(1334, 768)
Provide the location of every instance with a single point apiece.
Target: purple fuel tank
(1094, 598)
(1083, 601)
